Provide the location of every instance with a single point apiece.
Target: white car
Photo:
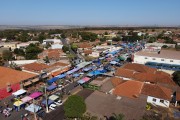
(60, 87)
(60, 102)
(51, 107)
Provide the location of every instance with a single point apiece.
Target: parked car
(60, 87)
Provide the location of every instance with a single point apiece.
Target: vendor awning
(87, 69)
(48, 102)
(86, 79)
(73, 70)
(53, 97)
(61, 76)
(81, 81)
(26, 99)
(113, 62)
(54, 79)
(83, 64)
(33, 108)
(76, 75)
(18, 103)
(52, 87)
(35, 80)
(27, 83)
(35, 95)
(19, 92)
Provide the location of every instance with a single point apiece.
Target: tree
(32, 51)
(74, 107)
(63, 36)
(7, 55)
(19, 52)
(1, 61)
(46, 59)
(176, 77)
(164, 46)
(65, 48)
(74, 47)
(116, 39)
(117, 117)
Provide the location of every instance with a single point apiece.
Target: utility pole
(35, 118)
(47, 110)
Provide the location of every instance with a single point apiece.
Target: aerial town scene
(90, 60)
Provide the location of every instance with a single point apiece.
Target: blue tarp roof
(52, 87)
(76, 75)
(87, 69)
(73, 70)
(49, 101)
(96, 72)
(81, 81)
(61, 76)
(53, 79)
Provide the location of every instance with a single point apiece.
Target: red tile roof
(35, 67)
(116, 81)
(130, 89)
(139, 68)
(153, 78)
(87, 51)
(124, 73)
(11, 76)
(177, 96)
(157, 91)
(85, 45)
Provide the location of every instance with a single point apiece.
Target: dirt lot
(102, 104)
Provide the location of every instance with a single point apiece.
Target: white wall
(144, 59)
(157, 102)
(94, 54)
(22, 62)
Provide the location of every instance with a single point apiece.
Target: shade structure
(26, 99)
(54, 79)
(52, 87)
(61, 76)
(87, 69)
(113, 62)
(81, 81)
(86, 79)
(19, 92)
(94, 73)
(35, 95)
(76, 75)
(49, 102)
(53, 97)
(18, 103)
(83, 64)
(73, 70)
(33, 108)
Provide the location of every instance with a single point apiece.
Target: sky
(90, 12)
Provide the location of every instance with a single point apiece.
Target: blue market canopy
(73, 70)
(76, 75)
(49, 101)
(61, 76)
(33, 108)
(94, 73)
(81, 81)
(83, 64)
(87, 69)
(52, 87)
(54, 79)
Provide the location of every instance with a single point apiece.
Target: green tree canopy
(7, 55)
(19, 52)
(74, 107)
(176, 77)
(117, 117)
(32, 51)
(65, 48)
(88, 36)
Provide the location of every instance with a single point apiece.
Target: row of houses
(139, 81)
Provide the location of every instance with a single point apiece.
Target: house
(35, 67)
(25, 44)
(11, 45)
(131, 89)
(51, 41)
(157, 95)
(56, 46)
(87, 52)
(124, 73)
(11, 79)
(52, 54)
(163, 56)
(84, 46)
(95, 54)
